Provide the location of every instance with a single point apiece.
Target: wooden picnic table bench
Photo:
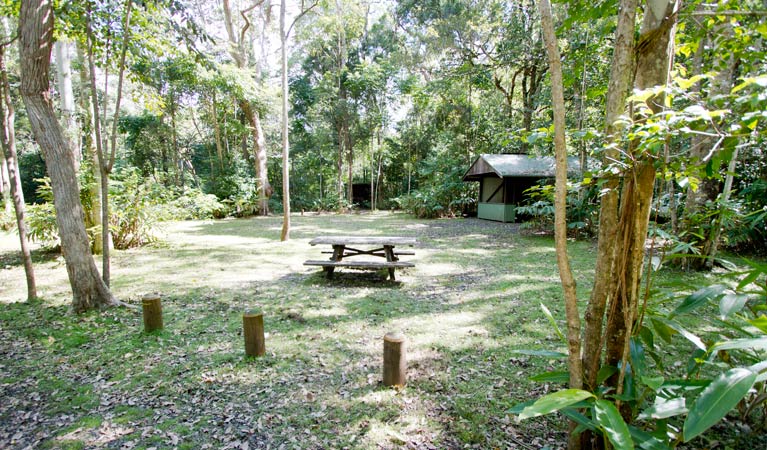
(348, 246)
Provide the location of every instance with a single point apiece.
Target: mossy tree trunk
(36, 42)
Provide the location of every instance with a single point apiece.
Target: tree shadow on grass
(42, 255)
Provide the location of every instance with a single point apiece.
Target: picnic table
(349, 246)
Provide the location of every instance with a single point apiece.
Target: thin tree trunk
(350, 162)
(36, 41)
(217, 131)
(340, 167)
(725, 197)
(560, 205)
(93, 214)
(372, 172)
(100, 157)
(285, 234)
(5, 186)
(343, 138)
(67, 96)
(10, 159)
(618, 89)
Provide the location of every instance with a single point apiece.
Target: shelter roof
(517, 166)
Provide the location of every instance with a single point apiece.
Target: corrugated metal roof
(514, 166)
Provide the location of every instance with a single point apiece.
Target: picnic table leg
(391, 257)
(338, 255)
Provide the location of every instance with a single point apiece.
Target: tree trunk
(36, 41)
(560, 205)
(618, 88)
(93, 215)
(702, 150)
(285, 234)
(654, 51)
(263, 188)
(350, 163)
(67, 96)
(340, 166)
(716, 235)
(5, 186)
(239, 54)
(10, 160)
(217, 130)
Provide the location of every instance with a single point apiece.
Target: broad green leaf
(609, 419)
(557, 376)
(685, 385)
(663, 330)
(761, 80)
(645, 440)
(687, 83)
(553, 322)
(716, 400)
(546, 353)
(740, 344)
(605, 372)
(664, 408)
(698, 299)
(653, 383)
(760, 322)
(686, 334)
(554, 402)
(519, 407)
(731, 303)
(579, 418)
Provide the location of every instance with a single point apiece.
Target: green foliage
(725, 373)
(194, 204)
(7, 219)
(132, 220)
(582, 209)
(41, 220)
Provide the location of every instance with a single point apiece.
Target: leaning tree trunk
(36, 40)
(10, 159)
(560, 211)
(263, 187)
(653, 54)
(617, 92)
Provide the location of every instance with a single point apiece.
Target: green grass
(471, 301)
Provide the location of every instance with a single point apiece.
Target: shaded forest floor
(97, 381)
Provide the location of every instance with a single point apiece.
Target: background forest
(146, 111)
(390, 102)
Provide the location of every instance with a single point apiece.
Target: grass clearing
(472, 299)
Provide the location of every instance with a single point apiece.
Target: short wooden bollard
(253, 330)
(152, 308)
(395, 363)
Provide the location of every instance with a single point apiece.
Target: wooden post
(152, 308)
(395, 363)
(253, 330)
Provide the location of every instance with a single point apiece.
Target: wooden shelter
(503, 180)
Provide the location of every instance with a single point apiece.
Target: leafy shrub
(41, 220)
(752, 232)
(133, 219)
(582, 210)
(194, 204)
(725, 374)
(7, 219)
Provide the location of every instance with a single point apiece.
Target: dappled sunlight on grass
(472, 297)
